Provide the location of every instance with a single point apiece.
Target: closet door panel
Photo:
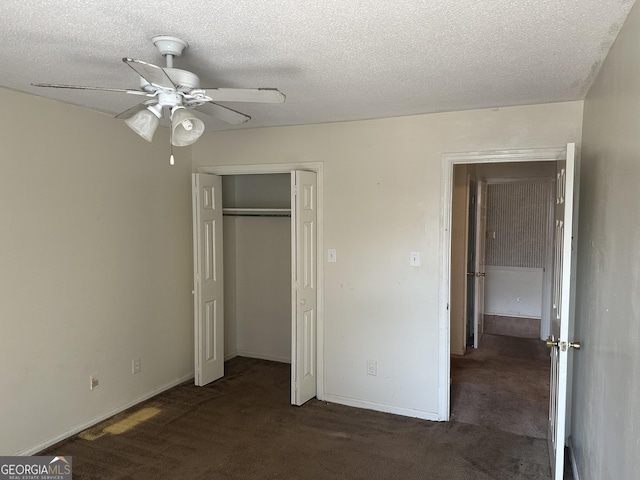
(208, 278)
(304, 292)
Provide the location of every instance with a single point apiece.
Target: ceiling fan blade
(153, 74)
(83, 87)
(223, 113)
(133, 110)
(258, 95)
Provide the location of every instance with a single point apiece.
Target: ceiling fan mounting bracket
(168, 45)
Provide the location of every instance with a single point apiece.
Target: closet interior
(257, 266)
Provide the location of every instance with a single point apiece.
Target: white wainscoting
(513, 291)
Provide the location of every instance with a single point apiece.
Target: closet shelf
(257, 212)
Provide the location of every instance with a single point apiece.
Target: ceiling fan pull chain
(171, 159)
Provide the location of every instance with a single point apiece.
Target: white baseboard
(574, 463)
(262, 356)
(111, 413)
(381, 407)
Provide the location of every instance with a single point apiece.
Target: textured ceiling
(335, 60)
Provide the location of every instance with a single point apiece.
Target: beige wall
(516, 170)
(95, 268)
(382, 200)
(263, 287)
(606, 405)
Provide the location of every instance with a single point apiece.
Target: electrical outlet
(136, 365)
(94, 381)
(372, 367)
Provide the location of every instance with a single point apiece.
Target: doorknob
(563, 346)
(303, 302)
(471, 274)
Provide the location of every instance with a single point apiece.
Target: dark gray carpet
(504, 384)
(242, 427)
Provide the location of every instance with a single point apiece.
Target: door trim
(449, 160)
(318, 168)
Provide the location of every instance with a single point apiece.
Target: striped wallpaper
(517, 213)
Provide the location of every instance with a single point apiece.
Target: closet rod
(256, 214)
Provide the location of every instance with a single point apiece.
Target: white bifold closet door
(208, 278)
(304, 224)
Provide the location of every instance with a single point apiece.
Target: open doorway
(494, 167)
(501, 249)
(500, 294)
(560, 341)
(250, 227)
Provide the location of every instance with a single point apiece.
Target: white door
(561, 311)
(481, 235)
(208, 278)
(303, 295)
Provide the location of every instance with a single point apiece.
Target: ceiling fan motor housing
(182, 79)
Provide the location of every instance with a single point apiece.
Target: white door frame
(318, 168)
(449, 160)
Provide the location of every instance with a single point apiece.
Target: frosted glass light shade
(185, 127)
(144, 123)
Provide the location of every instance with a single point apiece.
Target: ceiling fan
(178, 91)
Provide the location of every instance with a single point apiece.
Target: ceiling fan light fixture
(145, 122)
(186, 128)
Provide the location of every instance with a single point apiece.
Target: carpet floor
(503, 384)
(243, 427)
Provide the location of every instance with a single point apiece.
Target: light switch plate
(331, 255)
(414, 259)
